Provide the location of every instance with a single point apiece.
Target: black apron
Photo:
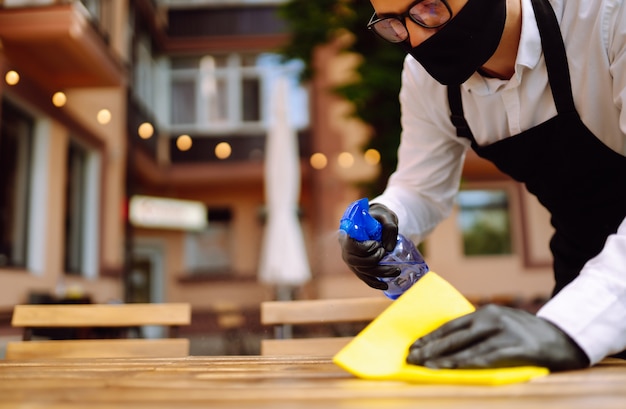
(581, 181)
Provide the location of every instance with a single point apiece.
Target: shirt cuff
(592, 311)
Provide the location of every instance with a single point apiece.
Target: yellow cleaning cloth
(380, 350)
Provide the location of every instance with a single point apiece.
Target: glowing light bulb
(345, 160)
(12, 77)
(223, 150)
(372, 156)
(104, 116)
(184, 142)
(59, 99)
(318, 161)
(145, 130)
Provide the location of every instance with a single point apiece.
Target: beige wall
(85, 104)
(247, 232)
(82, 105)
(16, 285)
(204, 294)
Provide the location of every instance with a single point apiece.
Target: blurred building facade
(109, 106)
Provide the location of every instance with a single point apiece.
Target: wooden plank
(90, 315)
(325, 310)
(322, 346)
(96, 348)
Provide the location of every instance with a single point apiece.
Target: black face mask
(463, 45)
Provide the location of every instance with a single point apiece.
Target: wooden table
(277, 382)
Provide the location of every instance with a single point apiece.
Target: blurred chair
(231, 321)
(92, 317)
(284, 314)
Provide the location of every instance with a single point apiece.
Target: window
(226, 19)
(208, 251)
(74, 208)
(250, 96)
(230, 92)
(23, 3)
(81, 210)
(145, 72)
(484, 222)
(16, 137)
(190, 3)
(93, 6)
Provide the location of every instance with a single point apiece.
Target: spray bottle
(361, 226)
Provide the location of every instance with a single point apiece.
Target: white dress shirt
(591, 309)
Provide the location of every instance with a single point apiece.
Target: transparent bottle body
(411, 263)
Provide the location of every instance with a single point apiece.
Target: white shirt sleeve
(592, 308)
(421, 191)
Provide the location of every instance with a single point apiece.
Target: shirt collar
(529, 51)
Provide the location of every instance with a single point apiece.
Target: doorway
(146, 283)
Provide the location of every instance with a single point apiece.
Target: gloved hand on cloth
(497, 337)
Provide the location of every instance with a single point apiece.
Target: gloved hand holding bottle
(375, 252)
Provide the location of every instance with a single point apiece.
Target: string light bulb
(345, 160)
(12, 77)
(223, 150)
(184, 142)
(59, 99)
(318, 161)
(372, 157)
(104, 116)
(145, 130)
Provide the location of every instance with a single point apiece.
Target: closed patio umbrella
(284, 262)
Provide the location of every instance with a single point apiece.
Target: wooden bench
(30, 317)
(316, 312)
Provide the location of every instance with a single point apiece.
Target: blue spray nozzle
(358, 224)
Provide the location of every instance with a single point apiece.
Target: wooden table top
(281, 382)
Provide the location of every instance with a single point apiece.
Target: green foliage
(310, 24)
(486, 239)
(375, 93)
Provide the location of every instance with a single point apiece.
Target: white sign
(157, 212)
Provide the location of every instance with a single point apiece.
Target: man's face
(417, 33)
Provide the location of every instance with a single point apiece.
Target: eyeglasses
(426, 13)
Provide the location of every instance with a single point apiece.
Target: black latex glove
(363, 257)
(495, 337)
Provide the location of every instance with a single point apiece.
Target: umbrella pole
(284, 293)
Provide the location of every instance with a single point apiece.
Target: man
(538, 88)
